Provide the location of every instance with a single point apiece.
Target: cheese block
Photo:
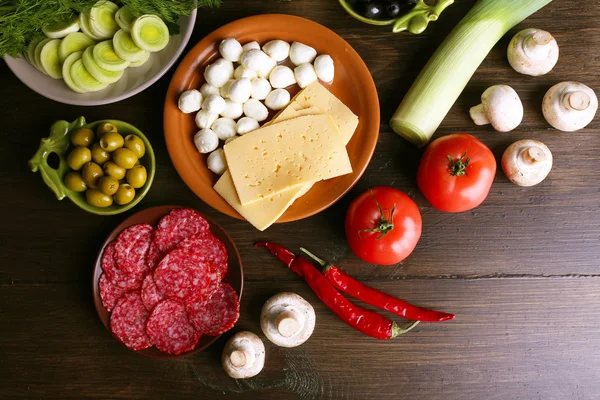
(285, 155)
(293, 110)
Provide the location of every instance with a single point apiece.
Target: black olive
(392, 9)
(372, 10)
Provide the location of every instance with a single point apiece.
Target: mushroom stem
(532, 155)
(479, 116)
(577, 100)
(287, 324)
(538, 45)
(239, 358)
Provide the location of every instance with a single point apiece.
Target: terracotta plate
(353, 84)
(235, 274)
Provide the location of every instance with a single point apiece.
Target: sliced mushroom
(527, 162)
(533, 52)
(570, 106)
(501, 107)
(243, 355)
(287, 319)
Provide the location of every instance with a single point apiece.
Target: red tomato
(456, 172)
(383, 226)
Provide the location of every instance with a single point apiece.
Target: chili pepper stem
(324, 264)
(397, 330)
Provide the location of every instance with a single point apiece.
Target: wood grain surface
(521, 272)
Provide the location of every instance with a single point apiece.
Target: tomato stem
(458, 167)
(384, 225)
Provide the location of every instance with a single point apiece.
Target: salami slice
(131, 247)
(169, 328)
(217, 315)
(153, 257)
(128, 321)
(176, 226)
(207, 247)
(109, 293)
(151, 296)
(117, 277)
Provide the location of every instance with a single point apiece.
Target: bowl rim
(187, 33)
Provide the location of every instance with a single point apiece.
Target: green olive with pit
(78, 157)
(124, 194)
(99, 155)
(112, 169)
(111, 141)
(137, 176)
(91, 174)
(75, 182)
(82, 137)
(135, 144)
(124, 158)
(96, 198)
(108, 185)
(104, 128)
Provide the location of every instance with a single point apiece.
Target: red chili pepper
(368, 322)
(374, 297)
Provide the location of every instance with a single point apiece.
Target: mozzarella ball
(206, 90)
(305, 75)
(241, 72)
(216, 162)
(278, 99)
(232, 109)
(204, 119)
(260, 88)
(255, 60)
(246, 124)
(206, 141)
(224, 128)
(224, 90)
(255, 109)
(214, 104)
(278, 49)
(190, 101)
(266, 69)
(240, 90)
(324, 68)
(231, 139)
(231, 50)
(218, 73)
(250, 46)
(301, 53)
(282, 77)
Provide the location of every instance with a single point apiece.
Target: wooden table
(521, 272)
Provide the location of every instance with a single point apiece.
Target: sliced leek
(72, 43)
(126, 48)
(49, 59)
(150, 33)
(31, 51)
(141, 62)
(61, 29)
(82, 78)
(102, 19)
(38, 53)
(124, 18)
(66, 70)
(100, 74)
(105, 57)
(84, 24)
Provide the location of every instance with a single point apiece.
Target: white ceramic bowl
(134, 80)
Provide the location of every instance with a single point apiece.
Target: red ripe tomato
(383, 226)
(456, 172)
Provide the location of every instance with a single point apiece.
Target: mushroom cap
(503, 107)
(566, 112)
(533, 52)
(243, 355)
(287, 304)
(527, 162)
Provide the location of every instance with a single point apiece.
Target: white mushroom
(255, 60)
(216, 162)
(190, 101)
(243, 355)
(501, 107)
(266, 69)
(527, 162)
(301, 53)
(214, 104)
(206, 90)
(533, 52)
(287, 319)
(206, 141)
(278, 99)
(224, 128)
(260, 88)
(282, 77)
(250, 46)
(240, 90)
(305, 74)
(242, 72)
(246, 124)
(231, 50)
(224, 90)
(232, 109)
(255, 109)
(278, 49)
(218, 73)
(570, 106)
(324, 68)
(204, 119)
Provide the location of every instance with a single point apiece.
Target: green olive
(78, 157)
(112, 169)
(104, 128)
(82, 137)
(124, 194)
(108, 185)
(96, 198)
(91, 174)
(135, 144)
(99, 155)
(125, 158)
(74, 181)
(137, 176)
(111, 141)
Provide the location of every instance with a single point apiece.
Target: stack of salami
(164, 286)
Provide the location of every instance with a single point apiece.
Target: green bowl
(415, 21)
(59, 143)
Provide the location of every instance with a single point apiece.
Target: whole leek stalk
(453, 64)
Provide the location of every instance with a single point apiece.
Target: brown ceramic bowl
(235, 274)
(353, 84)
